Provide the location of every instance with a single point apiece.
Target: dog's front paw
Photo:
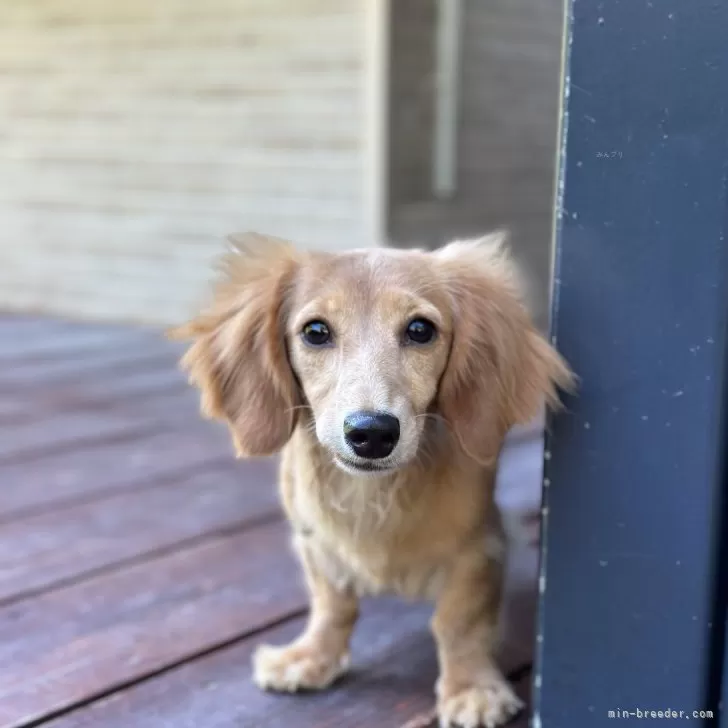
(296, 667)
(490, 704)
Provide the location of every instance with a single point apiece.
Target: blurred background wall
(507, 113)
(135, 135)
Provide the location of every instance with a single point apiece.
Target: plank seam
(178, 547)
(213, 464)
(38, 452)
(158, 672)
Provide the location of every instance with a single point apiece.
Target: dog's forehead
(365, 274)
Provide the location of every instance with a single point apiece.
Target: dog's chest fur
(398, 534)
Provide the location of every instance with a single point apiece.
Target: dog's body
(389, 380)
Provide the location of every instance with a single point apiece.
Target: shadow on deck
(140, 564)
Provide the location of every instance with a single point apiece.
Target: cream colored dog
(388, 379)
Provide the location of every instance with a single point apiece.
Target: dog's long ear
(238, 357)
(501, 371)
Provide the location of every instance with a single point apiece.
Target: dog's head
(370, 347)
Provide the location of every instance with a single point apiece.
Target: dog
(387, 379)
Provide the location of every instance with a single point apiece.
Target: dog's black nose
(371, 435)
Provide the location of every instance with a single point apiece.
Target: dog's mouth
(363, 467)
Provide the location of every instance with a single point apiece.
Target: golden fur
(426, 525)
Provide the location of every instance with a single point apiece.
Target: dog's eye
(420, 331)
(316, 333)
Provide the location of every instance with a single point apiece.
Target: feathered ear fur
(501, 371)
(238, 357)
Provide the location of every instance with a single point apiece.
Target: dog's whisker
(310, 427)
(297, 407)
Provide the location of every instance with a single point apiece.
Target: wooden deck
(140, 564)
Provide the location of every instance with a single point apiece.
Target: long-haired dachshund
(388, 379)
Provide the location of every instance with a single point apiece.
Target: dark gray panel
(632, 616)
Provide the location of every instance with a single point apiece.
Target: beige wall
(135, 134)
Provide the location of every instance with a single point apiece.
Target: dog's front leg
(321, 653)
(471, 690)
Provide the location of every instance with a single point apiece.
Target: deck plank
(94, 410)
(68, 646)
(53, 548)
(49, 435)
(160, 398)
(85, 472)
(47, 338)
(114, 391)
(106, 362)
(393, 673)
(105, 383)
(174, 407)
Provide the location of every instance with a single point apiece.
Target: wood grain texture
(169, 404)
(57, 547)
(393, 674)
(127, 381)
(33, 439)
(42, 338)
(77, 643)
(84, 473)
(108, 362)
(115, 370)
